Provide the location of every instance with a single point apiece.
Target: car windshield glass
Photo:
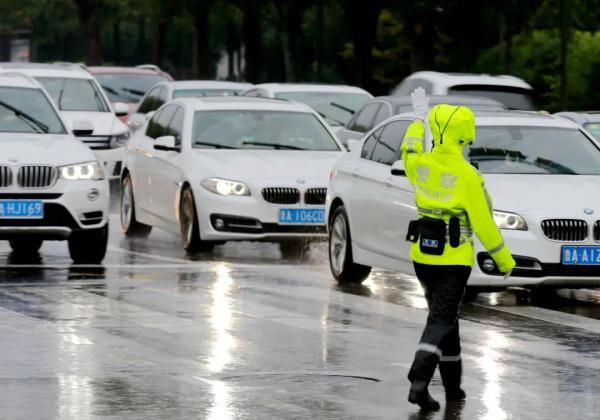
(336, 107)
(593, 128)
(31, 112)
(187, 93)
(401, 109)
(534, 150)
(273, 130)
(512, 98)
(127, 87)
(74, 94)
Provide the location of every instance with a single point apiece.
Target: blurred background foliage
(373, 44)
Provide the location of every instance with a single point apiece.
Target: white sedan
(542, 172)
(225, 168)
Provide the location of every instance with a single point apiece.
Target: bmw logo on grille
(588, 211)
(301, 181)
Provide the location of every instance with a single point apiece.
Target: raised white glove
(420, 103)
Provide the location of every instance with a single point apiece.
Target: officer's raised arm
(479, 209)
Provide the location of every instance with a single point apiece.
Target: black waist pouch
(432, 236)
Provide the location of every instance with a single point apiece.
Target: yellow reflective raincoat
(446, 185)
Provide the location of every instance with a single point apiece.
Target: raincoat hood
(452, 127)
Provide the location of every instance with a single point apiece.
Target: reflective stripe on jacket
(445, 184)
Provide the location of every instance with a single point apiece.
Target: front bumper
(538, 263)
(67, 209)
(248, 218)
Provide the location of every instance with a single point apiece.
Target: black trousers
(444, 288)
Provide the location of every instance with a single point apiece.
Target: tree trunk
(564, 42)
(117, 41)
(88, 13)
(159, 42)
(364, 15)
(320, 39)
(203, 39)
(251, 31)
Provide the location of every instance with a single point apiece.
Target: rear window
(593, 128)
(512, 98)
(71, 94)
(272, 130)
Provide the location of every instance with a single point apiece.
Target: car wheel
(131, 227)
(188, 224)
(342, 266)
(25, 246)
(88, 246)
(294, 248)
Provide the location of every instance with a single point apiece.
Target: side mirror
(166, 144)
(121, 109)
(398, 168)
(150, 115)
(82, 128)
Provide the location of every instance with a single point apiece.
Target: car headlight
(225, 187)
(120, 140)
(84, 171)
(510, 221)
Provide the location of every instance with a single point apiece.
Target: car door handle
(355, 173)
(388, 183)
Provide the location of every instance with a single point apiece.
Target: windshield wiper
(553, 166)
(327, 117)
(343, 108)
(134, 91)
(215, 145)
(110, 90)
(273, 145)
(26, 117)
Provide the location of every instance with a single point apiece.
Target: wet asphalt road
(243, 334)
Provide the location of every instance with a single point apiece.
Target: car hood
(268, 166)
(52, 149)
(104, 123)
(560, 195)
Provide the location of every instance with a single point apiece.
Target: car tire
(25, 246)
(88, 246)
(294, 248)
(189, 226)
(129, 224)
(342, 266)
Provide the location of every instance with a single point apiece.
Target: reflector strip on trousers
(496, 249)
(429, 348)
(450, 358)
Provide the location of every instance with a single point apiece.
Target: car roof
(18, 80)
(582, 117)
(122, 70)
(210, 103)
(443, 99)
(453, 79)
(208, 84)
(47, 70)
(310, 87)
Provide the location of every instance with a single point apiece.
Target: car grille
(565, 230)
(96, 142)
(597, 231)
(281, 195)
(36, 176)
(315, 196)
(5, 176)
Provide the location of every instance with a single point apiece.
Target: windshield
(74, 94)
(401, 109)
(31, 112)
(593, 128)
(192, 93)
(512, 98)
(260, 130)
(337, 108)
(534, 150)
(127, 88)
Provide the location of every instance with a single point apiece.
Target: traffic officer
(452, 204)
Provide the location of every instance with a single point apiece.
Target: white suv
(84, 107)
(51, 185)
(513, 92)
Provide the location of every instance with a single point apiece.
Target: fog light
(93, 194)
(219, 224)
(488, 265)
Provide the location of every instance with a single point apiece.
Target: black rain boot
(420, 395)
(451, 373)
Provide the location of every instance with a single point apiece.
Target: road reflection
(490, 363)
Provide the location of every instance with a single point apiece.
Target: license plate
(21, 209)
(580, 255)
(302, 216)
